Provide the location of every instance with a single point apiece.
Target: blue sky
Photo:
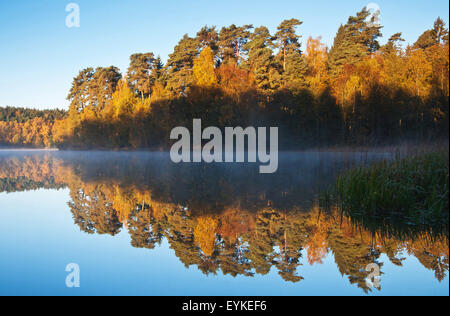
(39, 55)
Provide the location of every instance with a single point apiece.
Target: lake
(137, 224)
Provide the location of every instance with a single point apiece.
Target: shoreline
(29, 149)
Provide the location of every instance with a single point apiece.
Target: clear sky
(39, 55)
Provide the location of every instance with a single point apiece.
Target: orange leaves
(234, 80)
(233, 224)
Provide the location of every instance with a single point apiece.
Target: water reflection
(225, 218)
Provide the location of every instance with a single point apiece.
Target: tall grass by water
(412, 190)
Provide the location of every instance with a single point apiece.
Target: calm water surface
(136, 224)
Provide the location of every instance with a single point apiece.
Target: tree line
(28, 127)
(356, 92)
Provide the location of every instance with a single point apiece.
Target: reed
(414, 189)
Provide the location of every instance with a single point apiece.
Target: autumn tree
(234, 81)
(205, 235)
(317, 60)
(203, 70)
(418, 72)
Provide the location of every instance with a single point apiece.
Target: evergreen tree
(180, 64)
(140, 73)
(393, 44)
(440, 31)
(78, 94)
(261, 59)
(232, 43)
(426, 40)
(288, 40)
(93, 88)
(294, 65)
(208, 37)
(295, 72)
(354, 41)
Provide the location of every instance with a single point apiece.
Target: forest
(357, 92)
(28, 127)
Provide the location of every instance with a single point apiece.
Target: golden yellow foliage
(419, 71)
(204, 71)
(205, 234)
(158, 93)
(124, 103)
(317, 59)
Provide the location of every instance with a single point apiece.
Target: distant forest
(28, 127)
(358, 92)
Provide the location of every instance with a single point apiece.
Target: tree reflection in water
(226, 218)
